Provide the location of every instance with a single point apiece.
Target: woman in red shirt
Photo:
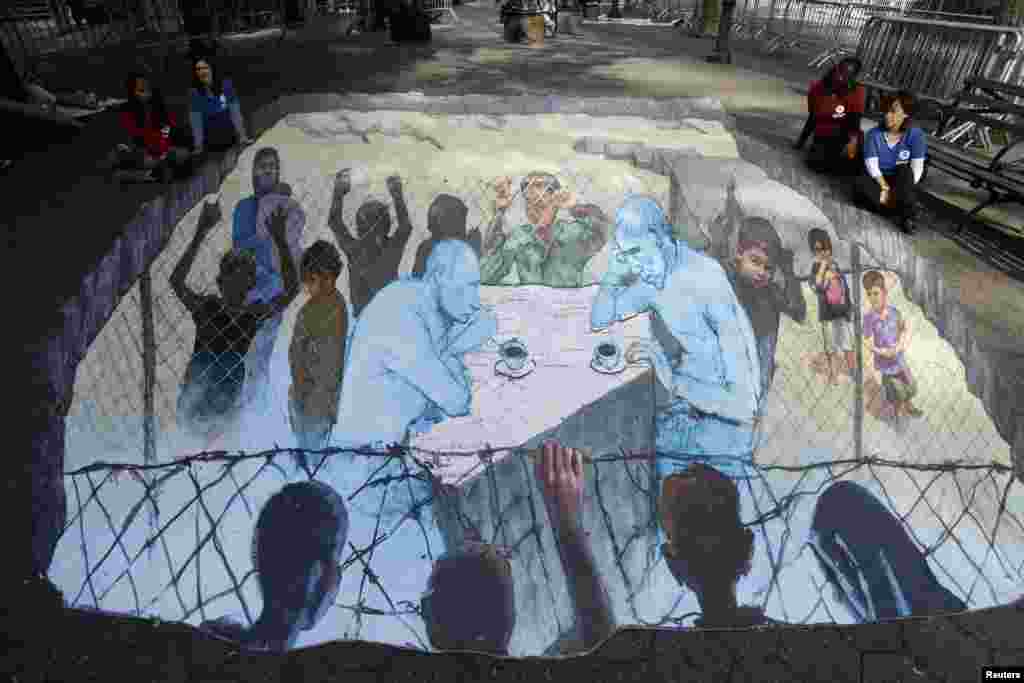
(151, 128)
(835, 105)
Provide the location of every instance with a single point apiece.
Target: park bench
(983, 106)
(25, 10)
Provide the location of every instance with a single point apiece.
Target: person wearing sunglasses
(874, 568)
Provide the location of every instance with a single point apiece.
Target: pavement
(64, 214)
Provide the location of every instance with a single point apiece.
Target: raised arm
(559, 473)
(277, 226)
(210, 216)
(404, 230)
(335, 221)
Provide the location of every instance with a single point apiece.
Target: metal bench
(982, 107)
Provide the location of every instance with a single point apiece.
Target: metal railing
(934, 59)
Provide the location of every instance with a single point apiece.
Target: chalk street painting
(510, 402)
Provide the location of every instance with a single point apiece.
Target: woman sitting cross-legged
(152, 129)
(215, 111)
(835, 105)
(894, 156)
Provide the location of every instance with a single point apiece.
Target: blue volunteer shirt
(911, 146)
(214, 106)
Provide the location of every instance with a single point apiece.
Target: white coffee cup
(515, 354)
(607, 355)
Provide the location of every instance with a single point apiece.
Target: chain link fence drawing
(173, 538)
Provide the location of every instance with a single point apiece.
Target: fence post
(858, 349)
(148, 384)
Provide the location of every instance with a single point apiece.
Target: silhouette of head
(642, 235)
(453, 270)
(708, 547)
(842, 75)
(297, 545)
(539, 190)
(757, 251)
(237, 276)
(321, 266)
(373, 217)
(205, 75)
(875, 569)
(266, 170)
(446, 217)
(470, 601)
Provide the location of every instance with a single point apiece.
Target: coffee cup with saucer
(514, 361)
(608, 358)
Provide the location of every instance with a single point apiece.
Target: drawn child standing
(317, 350)
(888, 336)
(834, 308)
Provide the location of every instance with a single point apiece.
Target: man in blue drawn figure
(875, 569)
(704, 353)
(405, 368)
(407, 348)
(296, 550)
(269, 193)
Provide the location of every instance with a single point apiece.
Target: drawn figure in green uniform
(546, 250)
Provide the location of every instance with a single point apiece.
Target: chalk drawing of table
(562, 398)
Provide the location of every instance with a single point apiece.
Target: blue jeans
(683, 438)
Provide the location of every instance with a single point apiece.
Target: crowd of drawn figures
(714, 333)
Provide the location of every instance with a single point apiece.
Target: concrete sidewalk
(57, 197)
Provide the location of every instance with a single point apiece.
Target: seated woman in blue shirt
(216, 114)
(894, 157)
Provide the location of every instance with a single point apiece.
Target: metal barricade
(438, 9)
(934, 59)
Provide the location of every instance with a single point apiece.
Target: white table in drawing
(563, 396)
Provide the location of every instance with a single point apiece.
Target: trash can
(591, 10)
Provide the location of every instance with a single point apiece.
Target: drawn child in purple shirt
(888, 336)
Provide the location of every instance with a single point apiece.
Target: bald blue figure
(704, 353)
(405, 362)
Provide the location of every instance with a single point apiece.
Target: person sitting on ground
(894, 155)
(225, 326)
(835, 105)
(876, 571)
(470, 599)
(446, 220)
(297, 547)
(317, 350)
(152, 129)
(216, 114)
(708, 549)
